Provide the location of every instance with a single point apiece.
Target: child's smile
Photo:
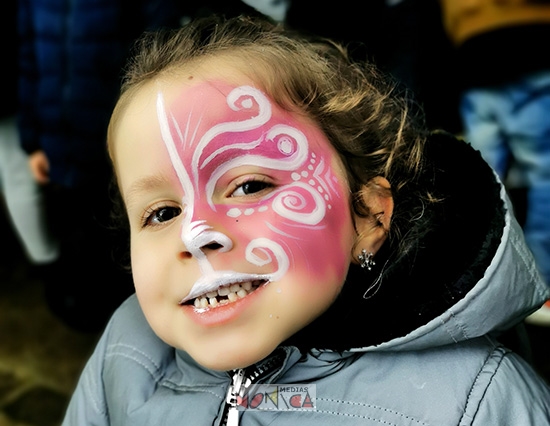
(245, 209)
(224, 293)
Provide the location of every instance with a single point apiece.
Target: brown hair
(373, 128)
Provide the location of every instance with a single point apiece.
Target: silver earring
(366, 260)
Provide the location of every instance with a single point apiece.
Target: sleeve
(515, 395)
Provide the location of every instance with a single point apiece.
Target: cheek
(317, 251)
(323, 252)
(145, 271)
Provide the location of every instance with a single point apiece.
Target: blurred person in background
(22, 197)
(504, 105)
(71, 56)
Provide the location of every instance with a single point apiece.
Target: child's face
(241, 230)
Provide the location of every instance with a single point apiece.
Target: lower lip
(220, 315)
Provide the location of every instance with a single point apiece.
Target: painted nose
(218, 242)
(199, 239)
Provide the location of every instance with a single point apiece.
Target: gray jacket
(411, 352)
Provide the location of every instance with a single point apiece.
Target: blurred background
(62, 63)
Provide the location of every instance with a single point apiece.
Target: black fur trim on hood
(466, 229)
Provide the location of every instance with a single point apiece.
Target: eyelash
(154, 213)
(248, 181)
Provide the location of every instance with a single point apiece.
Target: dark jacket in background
(8, 46)
(72, 54)
(71, 59)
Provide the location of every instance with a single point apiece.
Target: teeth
(224, 291)
(201, 302)
(226, 294)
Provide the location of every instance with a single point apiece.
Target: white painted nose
(199, 238)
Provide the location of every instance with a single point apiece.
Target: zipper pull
(232, 400)
(242, 379)
(233, 417)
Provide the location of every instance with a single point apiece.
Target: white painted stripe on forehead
(166, 135)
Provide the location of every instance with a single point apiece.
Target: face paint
(227, 129)
(241, 230)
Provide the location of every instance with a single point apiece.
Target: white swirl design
(248, 93)
(293, 142)
(289, 203)
(265, 246)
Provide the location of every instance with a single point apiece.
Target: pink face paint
(214, 132)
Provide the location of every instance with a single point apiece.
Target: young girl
(303, 251)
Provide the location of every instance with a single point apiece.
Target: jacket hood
(471, 274)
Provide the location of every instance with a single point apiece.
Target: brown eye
(161, 215)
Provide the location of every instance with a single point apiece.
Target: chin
(230, 361)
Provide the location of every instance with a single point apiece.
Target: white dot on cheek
(234, 212)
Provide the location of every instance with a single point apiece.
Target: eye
(250, 186)
(160, 215)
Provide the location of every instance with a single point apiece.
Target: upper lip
(213, 282)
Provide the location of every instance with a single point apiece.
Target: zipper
(237, 389)
(243, 378)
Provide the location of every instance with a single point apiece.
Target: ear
(373, 229)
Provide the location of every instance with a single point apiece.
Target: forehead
(214, 120)
(206, 117)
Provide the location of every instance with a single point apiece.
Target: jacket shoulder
(507, 392)
(477, 382)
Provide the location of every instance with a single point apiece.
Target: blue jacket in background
(72, 53)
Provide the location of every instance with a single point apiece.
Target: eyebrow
(143, 185)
